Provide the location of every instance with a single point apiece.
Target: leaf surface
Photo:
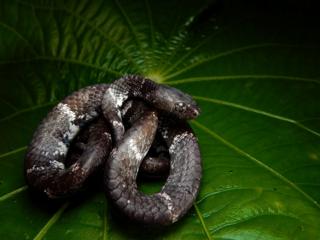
(252, 67)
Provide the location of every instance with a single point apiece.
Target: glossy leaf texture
(253, 67)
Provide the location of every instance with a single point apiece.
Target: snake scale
(121, 121)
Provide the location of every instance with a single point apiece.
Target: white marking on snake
(35, 169)
(117, 123)
(126, 107)
(62, 148)
(75, 167)
(167, 200)
(165, 134)
(138, 155)
(176, 140)
(71, 116)
(57, 164)
(56, 152)
(64, 108)
(118, 99)
(108, 135)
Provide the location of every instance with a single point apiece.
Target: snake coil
(118, 124)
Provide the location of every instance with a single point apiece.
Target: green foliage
(254, 69)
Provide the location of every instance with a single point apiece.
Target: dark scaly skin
(45, 162)
(159, 96)
(157, 163)
(155, 167)
(183, 182)
(45, 168)
(89, 162)
(182, 185)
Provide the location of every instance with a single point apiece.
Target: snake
(101, 112)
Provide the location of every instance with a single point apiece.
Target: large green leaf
(252, 66)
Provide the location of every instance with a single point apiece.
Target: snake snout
(196, 111)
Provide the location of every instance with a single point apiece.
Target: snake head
(174, 101)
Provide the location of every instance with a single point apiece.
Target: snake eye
(180, 107)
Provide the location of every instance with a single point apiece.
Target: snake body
(45, 168)
(164, 109)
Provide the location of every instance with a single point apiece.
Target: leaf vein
(257, 111)
(217, 56)
(51, 221)
(13, 193)
(14, 31)
(90, 25)
(236, 77)
(25, 110)
(130, 25)
(236, 222)
(150, 22)
(259, 163)
(6, 154)
(66, 60)
(203, 224)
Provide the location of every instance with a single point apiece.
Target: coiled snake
(146, 108)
